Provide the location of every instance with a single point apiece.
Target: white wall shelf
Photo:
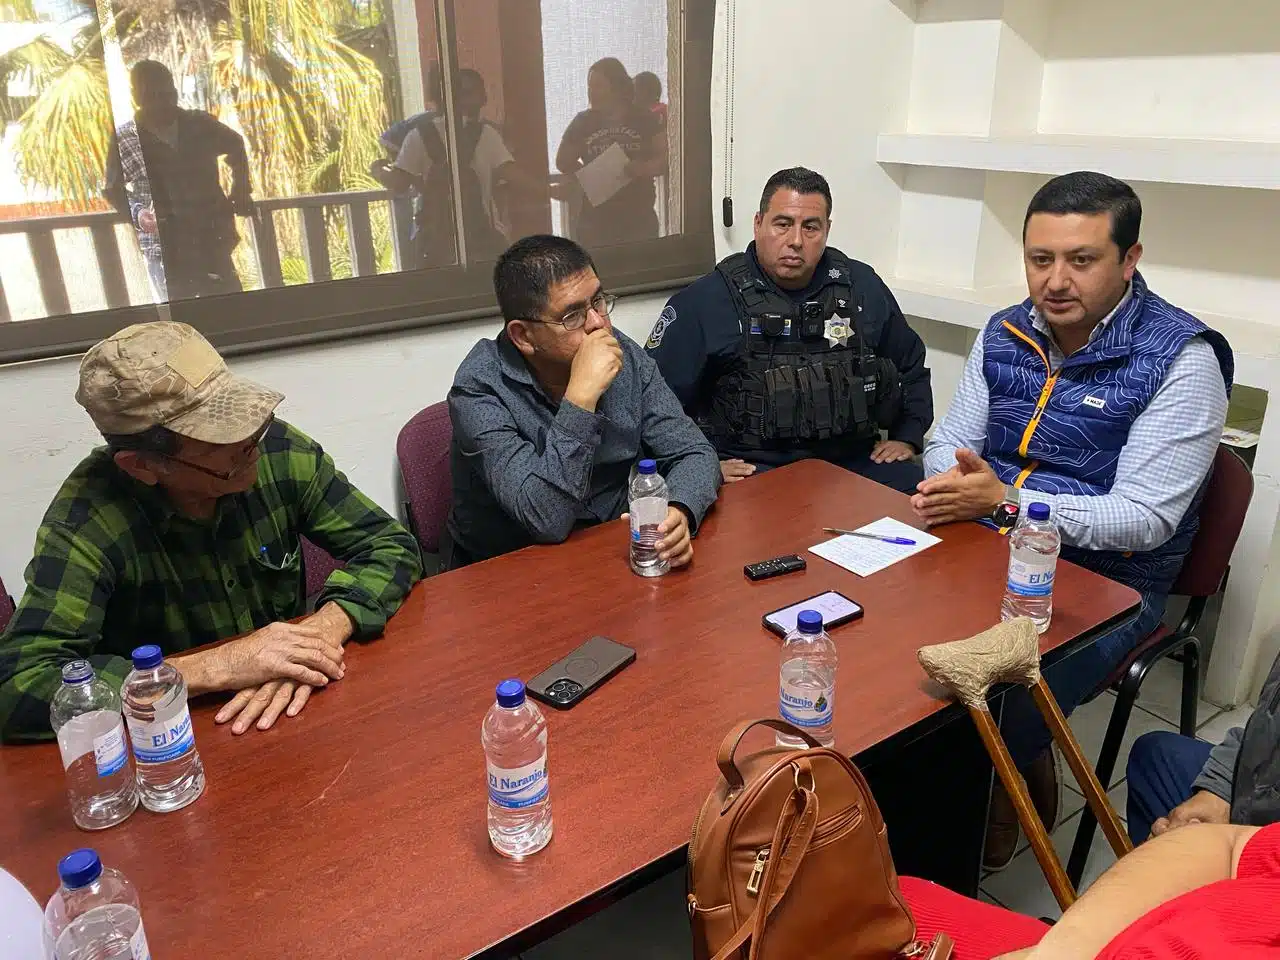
(1215, 163)
(972, 308)
(964, 306)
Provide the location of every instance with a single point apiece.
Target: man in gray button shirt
(549, 418)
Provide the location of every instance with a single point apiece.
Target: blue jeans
(1073, 682)
(1162, 768)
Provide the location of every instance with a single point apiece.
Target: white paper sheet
(864, 557)
(603, 176)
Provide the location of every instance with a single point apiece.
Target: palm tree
(309, 105)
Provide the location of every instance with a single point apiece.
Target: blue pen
(899, 541)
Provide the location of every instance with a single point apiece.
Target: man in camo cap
(184, 530)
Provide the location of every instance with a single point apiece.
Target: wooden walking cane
(1010, 653)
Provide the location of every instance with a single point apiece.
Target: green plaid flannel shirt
(115, 567)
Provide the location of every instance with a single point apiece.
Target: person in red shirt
(1202, 892)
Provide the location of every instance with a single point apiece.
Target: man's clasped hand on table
(1094, 395)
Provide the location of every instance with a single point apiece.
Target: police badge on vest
(805, 371)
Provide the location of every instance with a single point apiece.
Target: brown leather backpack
(789, 860)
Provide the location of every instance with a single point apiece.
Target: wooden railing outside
(310, 211)
(262, 234)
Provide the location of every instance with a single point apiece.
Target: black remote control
(776, 567)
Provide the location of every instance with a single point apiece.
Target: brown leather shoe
(1044, 784)
(1002, 831)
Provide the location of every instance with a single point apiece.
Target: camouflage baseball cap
(165, 374)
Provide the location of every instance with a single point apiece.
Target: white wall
(1181, 69)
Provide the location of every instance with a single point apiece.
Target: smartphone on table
(570, 680)
(835, 607)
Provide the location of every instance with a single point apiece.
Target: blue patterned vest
(1063, 434)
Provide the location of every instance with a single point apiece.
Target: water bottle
(514, 735)
(807, 681)
(170, 774)
(95, 913)
(85, 716)
(649, 499)
(1033, 557)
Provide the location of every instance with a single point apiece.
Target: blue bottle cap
(77, 671)
(647, 466)
(146, 657)
(809, 621)
(79, 868)
(510, 693)
(1038, 512)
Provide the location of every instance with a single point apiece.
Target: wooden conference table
(358, 828)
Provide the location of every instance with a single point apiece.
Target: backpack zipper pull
(757, 872)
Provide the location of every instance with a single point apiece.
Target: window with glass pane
(280, 170)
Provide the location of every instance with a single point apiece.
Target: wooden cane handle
(1007, 653)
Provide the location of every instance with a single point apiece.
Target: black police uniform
(773, 376)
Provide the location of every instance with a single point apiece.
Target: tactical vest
(804, 372)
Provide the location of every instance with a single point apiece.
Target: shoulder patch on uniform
(665, 319)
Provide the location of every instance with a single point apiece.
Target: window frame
(317, 312)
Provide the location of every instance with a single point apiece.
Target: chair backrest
(1226, 500)
(317, 563)
(423, 451)
(6, 607)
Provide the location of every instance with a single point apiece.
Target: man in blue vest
(1104, 401)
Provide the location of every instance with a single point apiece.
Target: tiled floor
(652, 924)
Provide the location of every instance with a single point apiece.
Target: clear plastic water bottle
(514, 735)
(807, 681)
(85, 716)
(95, 914)
(170, 774)
(648, 508)
(1033, 558)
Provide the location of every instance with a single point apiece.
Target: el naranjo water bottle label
(1031, 579)
(162, 740)
(109, 751)
(798, 704)
(519, 787)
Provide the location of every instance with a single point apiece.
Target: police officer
(793, 350)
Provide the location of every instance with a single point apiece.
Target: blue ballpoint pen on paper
(898, 541)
